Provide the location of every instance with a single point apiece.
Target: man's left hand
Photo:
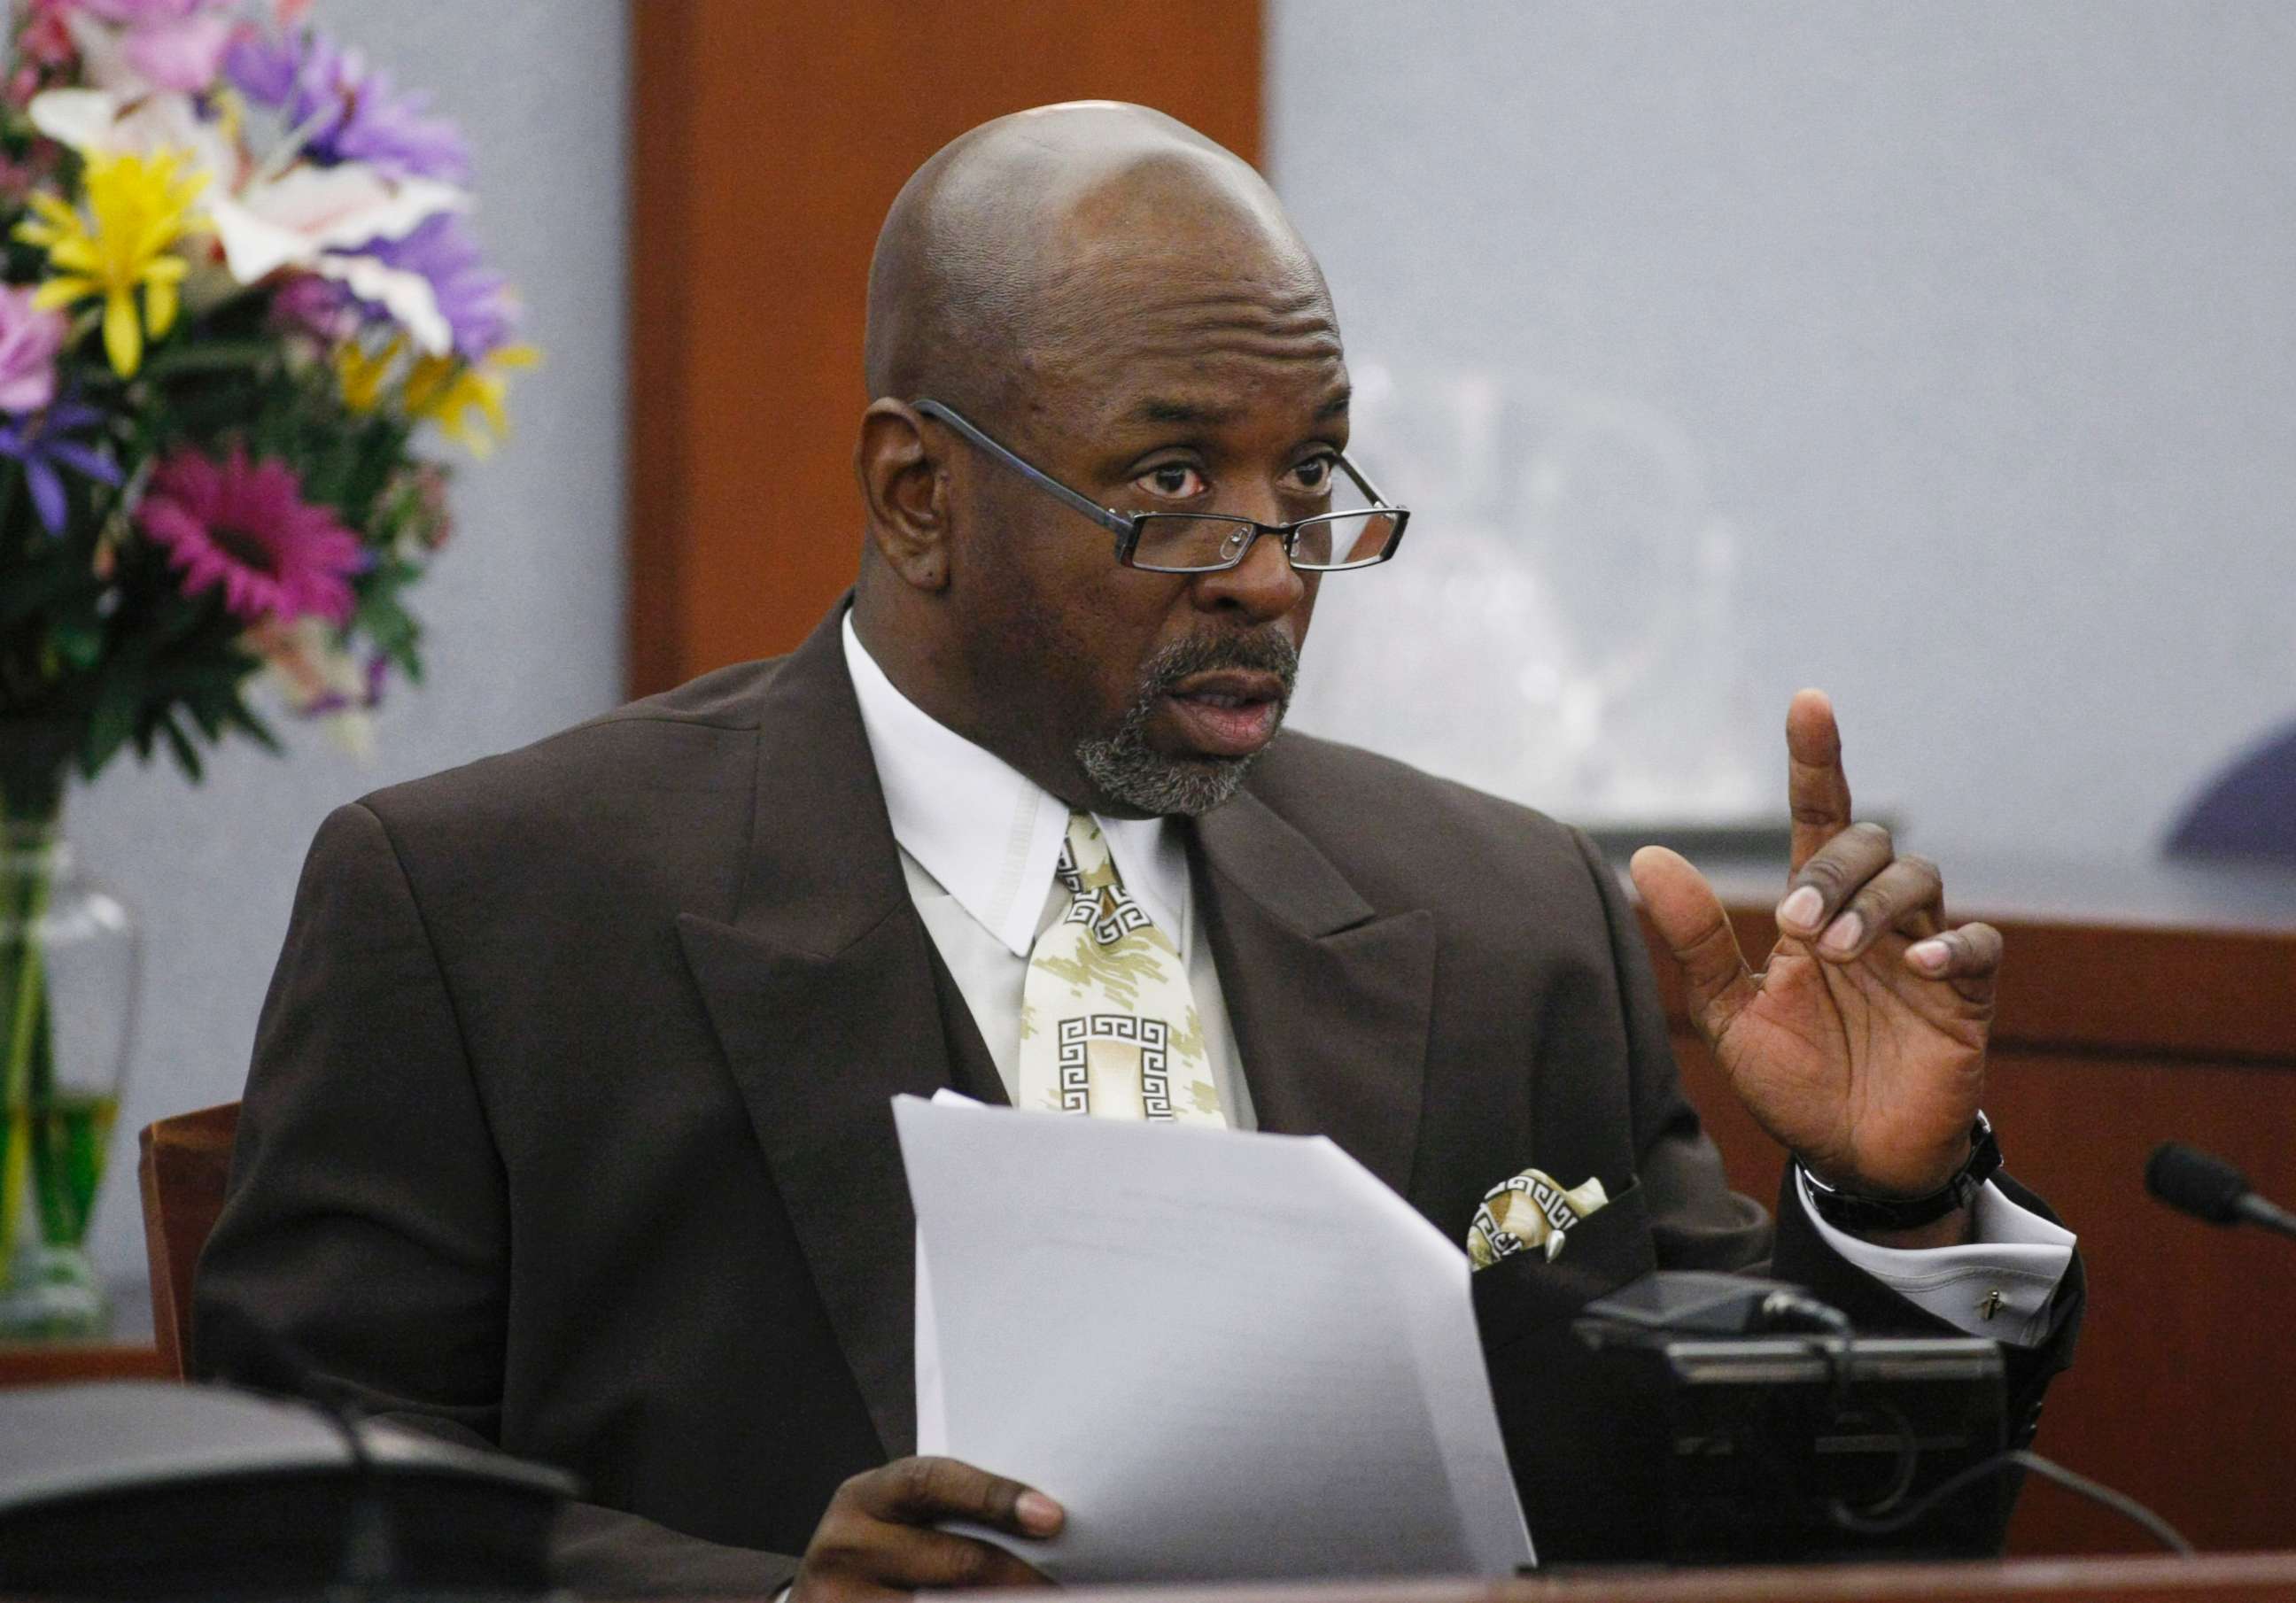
(1860, 1046)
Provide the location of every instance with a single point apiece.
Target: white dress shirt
(979, 840)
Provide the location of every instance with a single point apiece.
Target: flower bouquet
(237, 290)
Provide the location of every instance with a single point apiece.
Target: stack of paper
(1228, 1355)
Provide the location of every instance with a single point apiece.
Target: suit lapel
(823, 995)
(1329, 1004)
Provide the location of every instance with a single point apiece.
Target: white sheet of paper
(1228, 1356)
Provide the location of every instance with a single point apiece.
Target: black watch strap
(1856, 1212)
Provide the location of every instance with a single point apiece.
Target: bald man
(568, 1127)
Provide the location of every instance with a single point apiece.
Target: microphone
(2205, 1186)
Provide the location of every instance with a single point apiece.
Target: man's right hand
(876, 1539)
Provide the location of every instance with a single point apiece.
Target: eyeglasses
(1213, 542)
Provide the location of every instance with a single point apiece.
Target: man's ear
(906, 492)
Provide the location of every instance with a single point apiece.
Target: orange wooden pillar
(767, 141)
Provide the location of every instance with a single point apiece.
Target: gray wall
(524, 610)
(1982, 318)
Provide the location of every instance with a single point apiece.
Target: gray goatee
(1124, 766)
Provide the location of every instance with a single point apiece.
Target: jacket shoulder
(668, 740)
(680, 764)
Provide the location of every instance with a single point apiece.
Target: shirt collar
(989, 833)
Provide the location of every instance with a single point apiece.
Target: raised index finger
(1817, 792)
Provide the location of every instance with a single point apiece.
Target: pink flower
(245, 526)
(45, 41)
(138, 13)
(184, 54)
(30, 340)
(169, 45)
(19, 179)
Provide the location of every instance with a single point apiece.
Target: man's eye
(1175, 481)
(1315, 474)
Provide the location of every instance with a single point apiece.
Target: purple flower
(30, 339)
(307, 303)
(476, 302)
(369, 697)
(345, 110)
(37, 444)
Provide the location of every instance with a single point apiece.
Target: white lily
(103, 122)
(316, 218)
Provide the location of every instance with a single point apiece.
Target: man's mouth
(1226, 712)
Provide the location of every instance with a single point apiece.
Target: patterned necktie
(1108, 1025)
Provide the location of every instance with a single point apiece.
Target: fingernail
(1842, 935)
(1931, 956)
(1038, 1513)
(1799, 912)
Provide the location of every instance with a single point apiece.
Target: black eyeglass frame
(1128, 528)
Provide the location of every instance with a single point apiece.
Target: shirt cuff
(1997, 1285)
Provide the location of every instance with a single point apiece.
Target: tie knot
(1097, 897)
(1088, 850)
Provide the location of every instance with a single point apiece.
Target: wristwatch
(1855, 1211)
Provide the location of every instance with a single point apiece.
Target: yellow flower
(362, 372)
(446, 390)
(137, 207)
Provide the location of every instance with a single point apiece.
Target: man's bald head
(1014, 244)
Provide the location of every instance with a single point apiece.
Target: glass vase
(69, 956)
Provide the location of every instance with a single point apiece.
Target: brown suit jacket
(568, 1127)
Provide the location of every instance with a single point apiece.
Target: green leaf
(179, 746)
(78, 640)
(38, 585)
(118, 701)
(206, 712)
(240, 717)
(210, 356)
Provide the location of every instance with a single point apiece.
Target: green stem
(27, 1004)
(29, 1068)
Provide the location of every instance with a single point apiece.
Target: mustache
(1264, 652)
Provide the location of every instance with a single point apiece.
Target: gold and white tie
(1108, 1025)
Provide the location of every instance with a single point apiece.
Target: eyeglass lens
(1184, 544)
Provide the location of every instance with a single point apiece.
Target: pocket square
(1533, 1209)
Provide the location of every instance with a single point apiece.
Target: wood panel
(768, 141)
(2177, 1395)
(33, 1363)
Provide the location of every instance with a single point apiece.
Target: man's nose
(1264, 587)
